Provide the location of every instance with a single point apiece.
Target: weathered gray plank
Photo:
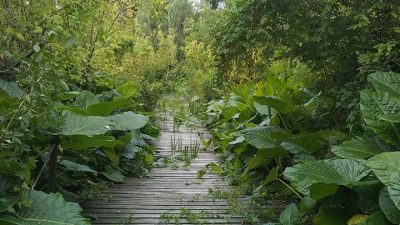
(163, 190)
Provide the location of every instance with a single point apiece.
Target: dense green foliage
(302, 99)
(341, 42)
(68, 93)
(265, 135)
(299, 75)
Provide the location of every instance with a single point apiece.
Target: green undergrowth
(188, 216)
(291, 172)
(87, 142)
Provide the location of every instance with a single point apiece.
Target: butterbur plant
(88, 139)
(362, 184)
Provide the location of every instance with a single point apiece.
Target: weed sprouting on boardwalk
(171, 193)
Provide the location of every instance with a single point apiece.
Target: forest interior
(265, 112)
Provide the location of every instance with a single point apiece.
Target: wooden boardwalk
(177, 196)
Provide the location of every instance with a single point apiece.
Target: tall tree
(178, 13)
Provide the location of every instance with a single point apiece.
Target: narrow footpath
(167, 195)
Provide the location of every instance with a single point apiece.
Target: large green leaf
(68, 95)
(375, 104)
(47, 209)
(229, 112)
(81, 142)
(384, 165)
(112, 155)
(7, 202)
(321, 190)
(332, 216)
(377, 218)
(75, 124)
(130, 151)
(262, 109)
(312, 142)
(368, 195)
(386, 82)
(290, 216)
(128, 89)
(73, 166)
(264, 137)
(339, 171)
(113, 174)
(388, 207)
(101, 108)
(292, 148)
(86, 99)
(390, 118)
(307, 205)
(128, 121)
(394, 188)
(265, 154)
(277, 104)
(357, 148)
(11, 89)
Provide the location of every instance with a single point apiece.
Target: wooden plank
(163, 190)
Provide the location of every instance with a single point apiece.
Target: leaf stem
(288, 186)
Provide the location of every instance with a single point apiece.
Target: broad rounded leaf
(332, 216)
(390, 210)
(229, 112)
(128, 121)
(386, 82)
(375, 219)
(113, 174)
(264, 137)
(238, 140)
(312, 142)
(321, 190)
(47, 209)
(86, 99)
(390, 118)
(11, 88)
(101, 108)
(130, 151)
(375, 104)
(394, 188)
(277, 104)
(128, 89)
(384, 165)
(357, 148)
(307, 205)
(339, 171)
(290, 215)
(81, 142)
(73, 166)
(262, 109)
(265, 154)
(75, 124)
